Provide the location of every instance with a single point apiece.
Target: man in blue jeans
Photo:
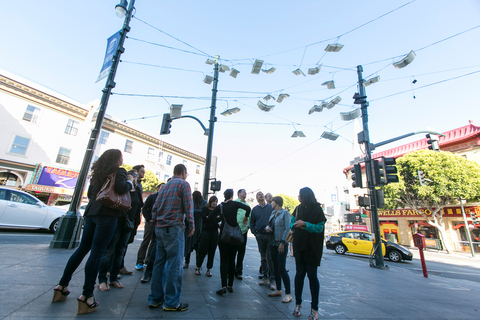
(173, 205)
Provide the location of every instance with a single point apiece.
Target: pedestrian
(191, 243)
(148, 237)
(258, 223)
(113, 256)
(98, 229)
(268, 198)
(280, 225)
(308, 222)
(208, 238)
(173, 205)
(242, 196)
(226, 212)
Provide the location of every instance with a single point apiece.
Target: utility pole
(364, 137)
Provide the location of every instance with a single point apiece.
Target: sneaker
(276, 293)
(139, 267)
(145, 279)
(155, 305)
(264, 282)
(273, 286)
(230, 289)
(222, 291)
(125, 271)
(181, 307)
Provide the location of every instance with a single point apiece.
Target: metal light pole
(379, 263)
(68, 232)
(213, 119)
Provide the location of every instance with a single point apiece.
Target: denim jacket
(280, 225)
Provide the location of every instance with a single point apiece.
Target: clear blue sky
(61, 46)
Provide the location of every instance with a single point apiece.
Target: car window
(356, 235)
(3, 193)
(366, 236)
(22, 198)
(347, 235)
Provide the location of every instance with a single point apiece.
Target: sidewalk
(350, 289)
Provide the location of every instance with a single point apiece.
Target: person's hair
(240, 190)
(211, 200)
(228, 194)
(108, 163)
(307, 196)
(278, 201)
(197, 197)
(179, 169)
(138, 167)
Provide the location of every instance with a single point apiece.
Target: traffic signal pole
(365, 138)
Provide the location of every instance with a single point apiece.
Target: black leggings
(309, 269)
(227, 263)
(207, 245)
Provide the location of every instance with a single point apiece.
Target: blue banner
(112, 44)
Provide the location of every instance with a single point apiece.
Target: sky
(61, 46)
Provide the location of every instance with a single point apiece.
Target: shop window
(63, 156)
(31, 114)
(103, 137)
(197, 171)
(169, 159)
(72, 127)
(20, 145)
(8, 179)
(128, 146)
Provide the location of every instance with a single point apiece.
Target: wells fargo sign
(447, 212)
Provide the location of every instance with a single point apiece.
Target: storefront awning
(461, 225)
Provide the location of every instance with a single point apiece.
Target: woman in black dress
(208, 238)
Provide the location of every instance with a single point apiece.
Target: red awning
(461, 225)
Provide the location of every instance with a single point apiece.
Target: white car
(19, 209)
(81, 209)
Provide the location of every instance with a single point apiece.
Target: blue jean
(309, 269)
(263, 242)
(170, 251)
(113, 256)
(279, 261)
(151, 258)
(97, 233)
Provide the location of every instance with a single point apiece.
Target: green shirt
(240, 216)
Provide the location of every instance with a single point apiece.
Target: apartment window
(160, 156)
(20, 145)
(31, 114)
(128, 146)
(159, 175)
(72, 127)
(63, 156)
(185, 162)
(169, 159)
(103, 137)
(197, 171)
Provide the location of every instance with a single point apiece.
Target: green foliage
(449, 177)
(289, 203)
(149, 182)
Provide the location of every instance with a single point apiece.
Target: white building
(44, 138)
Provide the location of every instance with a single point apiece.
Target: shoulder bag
(289, 237)
(108, 197)
(230, 235)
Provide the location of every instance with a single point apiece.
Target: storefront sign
(447, 212)
(48, 189)
(349, 227)
(59, 178)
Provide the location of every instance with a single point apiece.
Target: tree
(449, 177)
(289, 203)
(149, 182)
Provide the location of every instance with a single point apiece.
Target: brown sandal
(116, 284)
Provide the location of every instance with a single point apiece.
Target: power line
(164, 46)
(158, 66)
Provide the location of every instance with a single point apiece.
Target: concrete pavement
(350, 289)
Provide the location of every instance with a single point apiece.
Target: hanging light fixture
(334, 47)
(333, 102)
(405, 61)
(208, 79)
(298, 134)
(298, 72)
(223, 68)
(264, 107)
(314, 71)
(329, 135)
(257, 65)
(368, 82)
(269, 71)
(268, 97)
(329, 84)
(234, 73)
(230, 111)
(209, 61)
(347, 116)
(282, 96)
(315, 108)
(176, 110)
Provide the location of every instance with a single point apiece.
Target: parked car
(81, 209)
(19, 209)
(361, 242)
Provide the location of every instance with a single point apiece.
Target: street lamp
(68, 232)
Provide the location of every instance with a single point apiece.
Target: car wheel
(395, 256)
(340, 249)
(54, 225)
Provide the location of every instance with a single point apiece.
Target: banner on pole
(112, 44)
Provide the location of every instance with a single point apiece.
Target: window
(195, 188)
(160, 156)
(22, 198)
(151, 151)
(197, 171)
(159, 175)
(31, 114)
(20, 145)
(103, 137)
(63, 156)
(128, 146)
(185, 162)
(72, 127)
(165, 178)
(169, 159)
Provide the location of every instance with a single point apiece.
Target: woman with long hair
(191, 243)
(99, 225)
(227, 213)
(308, 221)
(208, 237)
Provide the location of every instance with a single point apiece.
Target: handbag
(231, 235)
(108, 197)
(289, 237)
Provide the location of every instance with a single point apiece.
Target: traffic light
(166, 124)
(357, 176)
(387, 171)
(215, 185)
(421, 178)
(359, 99)
(433, 142)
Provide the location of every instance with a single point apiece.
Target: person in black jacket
(209, 237)
(98, 229)
(227, 213)
(308, 221)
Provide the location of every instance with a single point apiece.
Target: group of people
(178, 222)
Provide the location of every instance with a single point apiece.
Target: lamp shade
(264, 107)
(405, 61)
(269, 71)
(334, 47)
(329, 84)
(315, 108)
(313, 71)
(298, 134)
(298, 72)
(329, 135)
(268, 97)
(234, 73)
(257, 65)
(230, 111)
(176, 110)
(347, 116)
(368, 82)
(208, 79)
(282, 96)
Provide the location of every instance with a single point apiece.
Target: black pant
(304, 268)
(207, 245)
(227, 263)
(241, 255)
(280, 271)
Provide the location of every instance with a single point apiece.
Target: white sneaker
(264, 282)
(273, 287)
